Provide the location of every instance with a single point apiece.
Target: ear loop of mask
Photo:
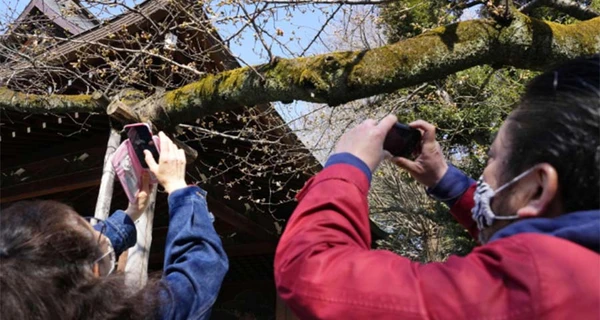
(515, 179)
(111, 254)
(485, 219)
(111, 250)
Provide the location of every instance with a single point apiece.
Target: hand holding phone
(141, 139)
(430, 166)
(402, 141)
(170, 169)
(129, 160)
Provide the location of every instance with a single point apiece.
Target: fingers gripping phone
(129, 159)
(141, 139)
(402, 140)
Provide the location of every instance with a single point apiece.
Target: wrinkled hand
(170, 169)
(365, 141)
(142, 199)
(430, 166)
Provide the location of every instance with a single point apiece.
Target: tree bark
(572, 8)
(340, 77)
(55, 103)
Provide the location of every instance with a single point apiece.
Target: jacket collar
(582, 227)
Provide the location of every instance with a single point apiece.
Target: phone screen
(141, 139)
(402, 140)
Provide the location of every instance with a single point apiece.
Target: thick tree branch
(572, 8)
(341, 77)
(54, 103)
(344, 2)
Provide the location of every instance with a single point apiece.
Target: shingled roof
(67, 14)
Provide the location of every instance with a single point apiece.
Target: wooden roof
(76, 21)
(66, 51)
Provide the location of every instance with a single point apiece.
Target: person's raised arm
(324, 268)
(120, 226)
(195, 261)
(444, 182)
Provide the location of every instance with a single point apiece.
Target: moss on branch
(340, 77)
(31, 103)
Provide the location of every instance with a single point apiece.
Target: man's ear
(542, 191)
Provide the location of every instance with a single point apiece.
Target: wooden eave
(56, 17)
(66, 50)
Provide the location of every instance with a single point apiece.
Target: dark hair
(557, 122)
(46, 257)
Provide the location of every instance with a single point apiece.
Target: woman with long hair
(55, 265)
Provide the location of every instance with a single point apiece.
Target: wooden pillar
(108, 177)
(282, 312)
(136, 268)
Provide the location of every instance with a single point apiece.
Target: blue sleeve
(348, 158)
(120, 230)
(195, 261)
(452, 185)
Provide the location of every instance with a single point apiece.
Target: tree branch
(54, 103)
(572, 8)
(340, 77)
(344, 2)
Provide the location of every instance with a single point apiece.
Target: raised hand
(430, 166)
(170, 169)
(365, 141)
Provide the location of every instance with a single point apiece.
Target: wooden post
(136, 269)
(282, 312)
(108, 177)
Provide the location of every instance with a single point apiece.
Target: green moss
(130, 97)
(233, 79)
(32, 103)
(78, 99)
(536, 44)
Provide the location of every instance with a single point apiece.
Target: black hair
(557, 122)
(46, 258)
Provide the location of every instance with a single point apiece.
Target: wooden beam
(250, 249)
(108, 177)
(54, 150)
(55, 161)
(239, 221)
(121, 112)
(232, 250)
(67, 182)
(283, 312)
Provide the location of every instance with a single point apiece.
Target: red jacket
(324, 268)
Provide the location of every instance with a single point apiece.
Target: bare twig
(321, 30)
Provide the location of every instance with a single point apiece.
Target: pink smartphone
(129, 160)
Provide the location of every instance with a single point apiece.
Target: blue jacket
(195, 262)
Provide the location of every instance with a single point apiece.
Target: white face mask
(482, 211)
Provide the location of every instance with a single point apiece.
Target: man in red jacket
(540, 236)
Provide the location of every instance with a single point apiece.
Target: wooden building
(61, 156)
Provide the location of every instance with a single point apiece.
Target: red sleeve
(324, 268)
(461, 210)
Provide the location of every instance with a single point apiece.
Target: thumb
(387, 123)
(152, 165)
(406, 164)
